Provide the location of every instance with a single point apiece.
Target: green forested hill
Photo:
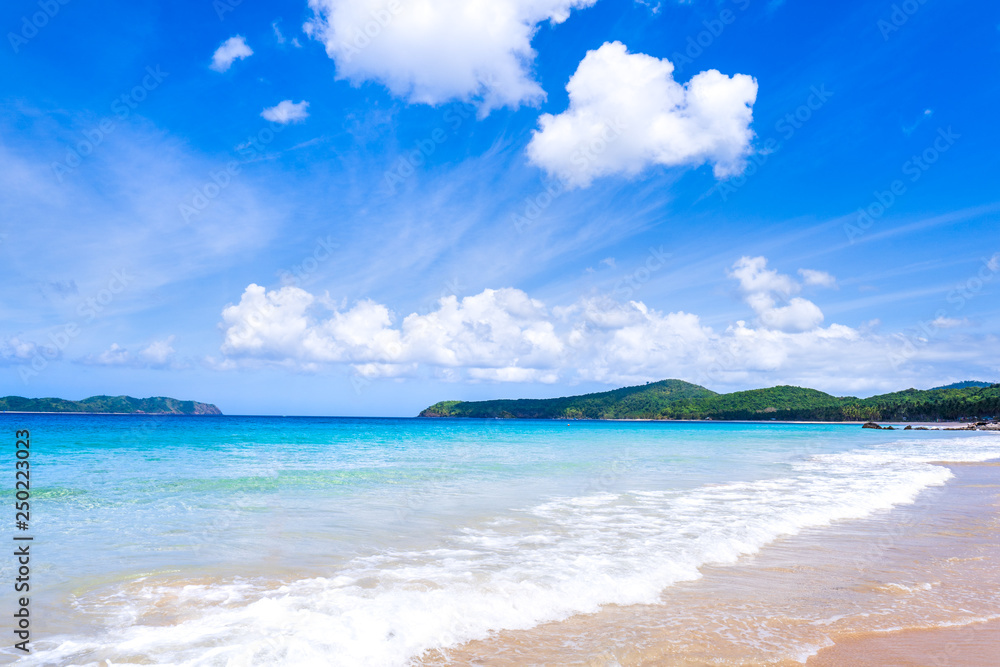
(108, 404)
(675, 399)
(641, 402)
(963, 385)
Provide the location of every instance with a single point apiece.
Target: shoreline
(694, 560)
(959, 645)
(897, 426)
(915, 585)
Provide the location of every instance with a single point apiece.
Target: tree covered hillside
(676, 399)
(109, 404)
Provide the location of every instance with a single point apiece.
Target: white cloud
(820, 278)
(15, 350)
(627, 113)
(504, 335)
(277, 33)
(474, 332)
(232, 49)
(286, 112)
(754, 277)
(432, 51)
(116, 355)
(653, 8)
(799, 315)
(514, 374)
(158, 353)
(949, 322)
(764, 288)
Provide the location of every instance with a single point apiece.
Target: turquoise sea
(267, 540)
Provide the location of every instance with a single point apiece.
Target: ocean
(340, 541)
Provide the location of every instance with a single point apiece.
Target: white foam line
(563, 557)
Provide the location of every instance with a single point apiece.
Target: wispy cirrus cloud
(128, 191)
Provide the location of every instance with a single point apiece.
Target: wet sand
(917, 585)
(974, 645)
(969, 645)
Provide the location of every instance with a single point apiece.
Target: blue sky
(257, 205)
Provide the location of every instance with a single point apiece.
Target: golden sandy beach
(919, 585)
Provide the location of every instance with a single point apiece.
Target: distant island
(676, 399)
(157, 405)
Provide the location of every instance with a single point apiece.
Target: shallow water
(232, 540)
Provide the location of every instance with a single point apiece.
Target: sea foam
(543, 562)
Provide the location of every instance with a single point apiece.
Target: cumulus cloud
(116, 355)
(820, 278)
(234, 48)
(755, 278)
(765, 288)
(432, 51)
(799, 315)
(286, 112)
(505, 335)
(492, 329)
(15, 350)
(627, 113)
(159, 352)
